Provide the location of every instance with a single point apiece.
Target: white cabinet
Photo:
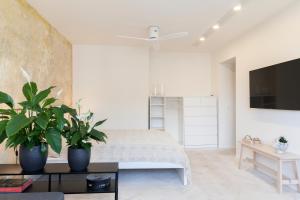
(200, 126)
(192, 121)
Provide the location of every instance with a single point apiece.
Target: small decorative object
(78, 134)
(248, 139)
(281, 144)
(98, 182)
(256, 140)
(33, 126)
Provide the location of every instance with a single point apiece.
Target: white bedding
(141, 146)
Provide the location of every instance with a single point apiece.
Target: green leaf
(75, 138)
(86, 146)
(71, 111)
(53, 138)
(6, 99)
(42, 120)
(74, 123)
(41, 96)
(3, 135)
(60, 120)
(29, 90)
(99, 123)
(98, 135)
(48, 102)
(15, 140)
(17, 123)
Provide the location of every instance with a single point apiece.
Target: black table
(67, 186)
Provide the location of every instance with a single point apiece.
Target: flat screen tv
(276, 86)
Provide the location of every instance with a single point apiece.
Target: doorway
(227, 104)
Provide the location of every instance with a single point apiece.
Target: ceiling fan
(153, 36)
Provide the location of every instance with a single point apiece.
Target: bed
(140, 149)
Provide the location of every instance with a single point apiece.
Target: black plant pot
(32, 160)
(78, 159)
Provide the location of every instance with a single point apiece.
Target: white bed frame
(141, 165)
(155, 165)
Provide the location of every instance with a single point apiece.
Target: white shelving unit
(157, 112)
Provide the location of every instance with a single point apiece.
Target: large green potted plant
(79, 133)
(32, 126)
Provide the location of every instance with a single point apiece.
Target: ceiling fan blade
(174, 36)
(132, 38)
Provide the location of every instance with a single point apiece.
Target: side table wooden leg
(254, 160)
(241, 156)
(279, 176)
(296, 166)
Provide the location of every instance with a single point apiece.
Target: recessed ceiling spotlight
(237, 7)
(202, 39)
(216, 26)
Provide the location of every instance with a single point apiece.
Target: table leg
(49, 183)
(59, 178)
(279, 176)
(254, 159)
(241, 156)
(296, 166)
(117, 186)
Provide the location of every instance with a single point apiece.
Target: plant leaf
(53, 138)
(15, 140)
(99, 123)
(48, 102)
(42, 120)
(71, 111)
(29, 90)
(41, 96)
(75, 138)
(98, 135)
(3, 135)
(17, 123)
(6, 99)
(60, 120)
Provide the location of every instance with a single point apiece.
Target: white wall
(113, 82)
(275, 41)
(181, 73)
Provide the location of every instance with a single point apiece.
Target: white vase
(281, 147)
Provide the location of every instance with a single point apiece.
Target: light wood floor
(215, 176)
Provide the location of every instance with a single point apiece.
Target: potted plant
(79, 134)
(282, 144)
(32, 126)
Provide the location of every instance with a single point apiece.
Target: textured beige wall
(28, 41)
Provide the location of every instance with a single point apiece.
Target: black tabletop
(59, 168)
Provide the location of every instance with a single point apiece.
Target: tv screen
(276, 86)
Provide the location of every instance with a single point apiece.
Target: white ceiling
(99, 21)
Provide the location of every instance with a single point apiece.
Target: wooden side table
(269, 152)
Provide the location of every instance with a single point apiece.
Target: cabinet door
(200, 121)
(200, 140)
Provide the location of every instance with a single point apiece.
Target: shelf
(75, 186)
(160, 117)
